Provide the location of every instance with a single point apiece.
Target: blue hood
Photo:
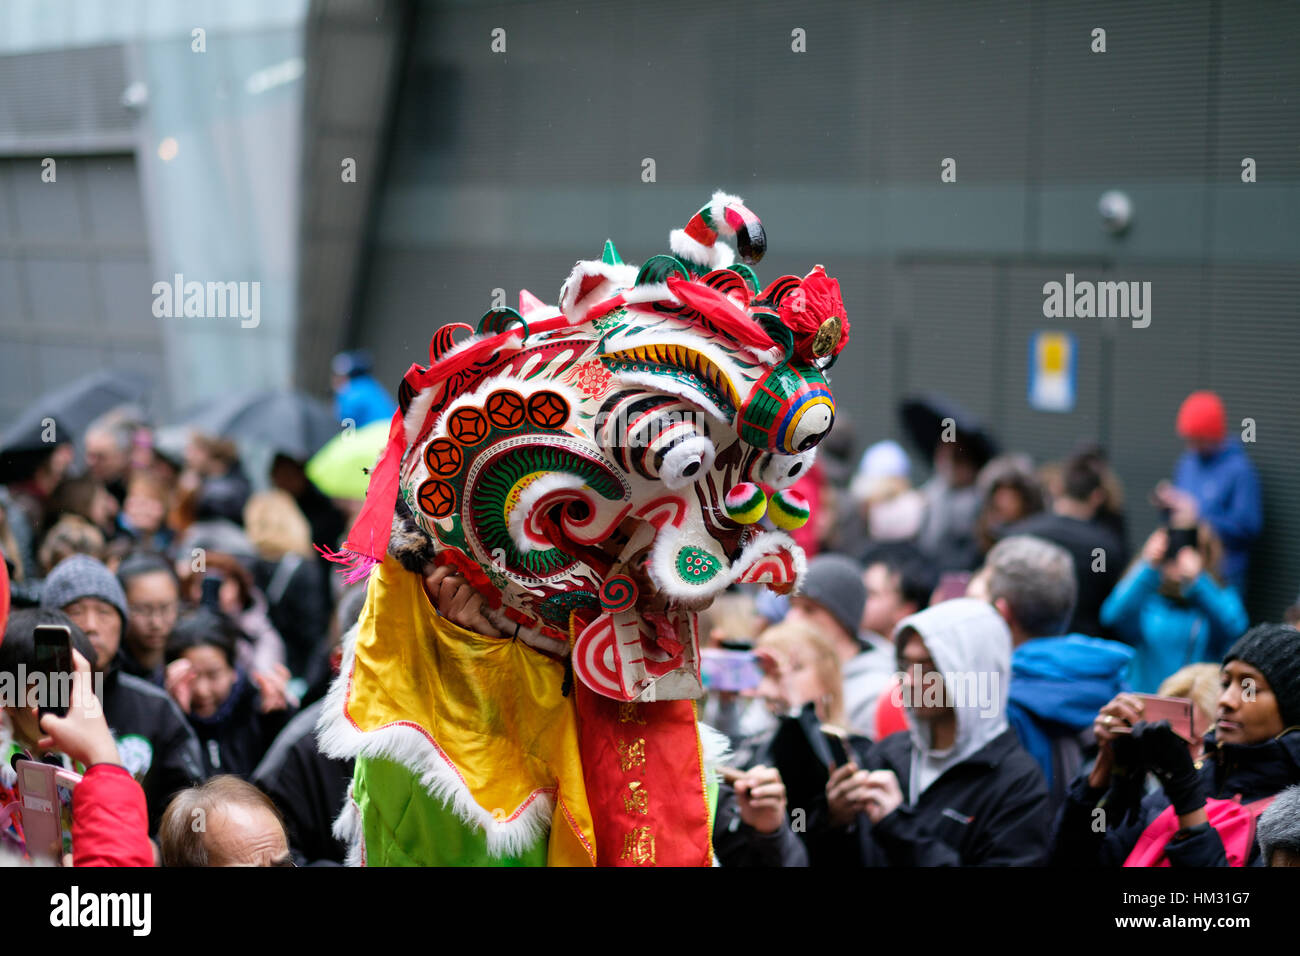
(1067, 679)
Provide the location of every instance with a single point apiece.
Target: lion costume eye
(782, 471)
(686, 462)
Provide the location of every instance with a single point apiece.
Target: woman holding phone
(1251, 754)
(1172, 607)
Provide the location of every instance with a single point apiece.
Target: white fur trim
(616, 278)
(650, 292)
(411, 749)
(715, 746)
(717, 256)
(347, 830)
(717, 212)
(416, 412)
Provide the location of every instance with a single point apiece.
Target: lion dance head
(602, 468)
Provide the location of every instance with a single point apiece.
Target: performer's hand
(455, 600)
(761, 797)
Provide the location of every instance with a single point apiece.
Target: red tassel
(374, 525)
(354, 567)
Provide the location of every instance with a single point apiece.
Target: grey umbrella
(71, 408)
(289, 422)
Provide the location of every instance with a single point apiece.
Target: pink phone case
(46, 817)
(1179, 711)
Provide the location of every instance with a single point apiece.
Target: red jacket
(110, 825)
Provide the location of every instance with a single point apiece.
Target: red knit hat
(1201, 418)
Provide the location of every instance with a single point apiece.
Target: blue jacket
(1226, 486)
(1167, 634)
(364, 401)
(1057, 686)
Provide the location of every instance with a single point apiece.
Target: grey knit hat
(1274, 649)
(835, 582)
(81, 576)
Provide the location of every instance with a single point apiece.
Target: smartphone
(838, 740)
(54, 660)
(1180, 538)
(1179, 711)
(45, 792)
(728, 670)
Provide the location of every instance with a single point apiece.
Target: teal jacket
(1167, 634)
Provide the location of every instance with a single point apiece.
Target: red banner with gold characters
(644, 771)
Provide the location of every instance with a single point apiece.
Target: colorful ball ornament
(618, 593)
(789, 510)
(745, 503)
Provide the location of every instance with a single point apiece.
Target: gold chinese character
(637, 799)
(639, 846)
(631, 755)
(627, 713)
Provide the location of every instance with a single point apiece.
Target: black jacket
(809, 815)
(237, 736)
(297, 593)
(1082, 539)
(736, 843)
(308, 787)
(989, 810)
(128, 665)
(156, 744)
(1254, 772)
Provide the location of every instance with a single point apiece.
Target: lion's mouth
(644, 645)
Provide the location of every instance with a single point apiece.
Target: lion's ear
(593, 281)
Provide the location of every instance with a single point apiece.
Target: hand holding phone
(1184, 719)
(54, 663)
(82, 731)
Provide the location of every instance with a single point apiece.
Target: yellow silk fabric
(492, 706)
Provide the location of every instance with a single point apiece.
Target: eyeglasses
(154, 610)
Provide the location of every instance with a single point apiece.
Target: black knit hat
(1274, 650)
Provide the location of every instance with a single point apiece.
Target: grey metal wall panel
(1049, 434)
(75, 285)
(502, 167)
(1137, 111)
(63, 97)
(1254, 335)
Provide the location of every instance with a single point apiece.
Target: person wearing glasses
(153, 598)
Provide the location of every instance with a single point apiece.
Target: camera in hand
(1180, 538)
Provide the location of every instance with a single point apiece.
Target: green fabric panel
(404, 826)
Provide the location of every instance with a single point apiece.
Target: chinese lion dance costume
(598, 470)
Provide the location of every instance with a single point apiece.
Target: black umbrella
(289, 422)
(924, 418)
(71, 408)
